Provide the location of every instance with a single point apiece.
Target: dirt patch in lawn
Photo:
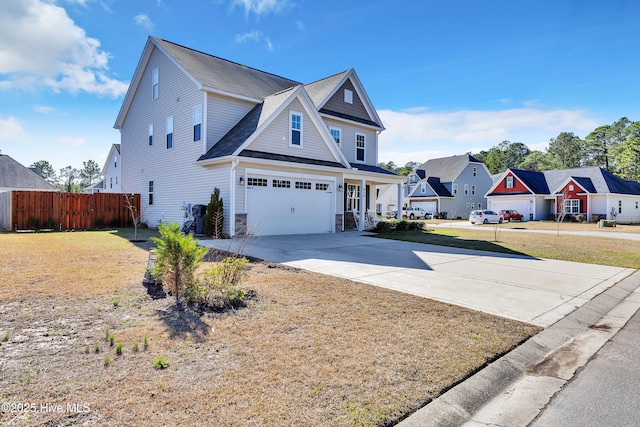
(310, 349)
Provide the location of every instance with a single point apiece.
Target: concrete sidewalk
(537, 291)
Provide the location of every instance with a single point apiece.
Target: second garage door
(289, 205)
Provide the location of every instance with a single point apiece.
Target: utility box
(198, 212)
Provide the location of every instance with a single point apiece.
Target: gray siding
(336, 103)
(222, 114)
(457, 206)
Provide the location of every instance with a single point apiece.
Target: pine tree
(214, 218)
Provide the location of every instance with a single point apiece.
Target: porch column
(399, 218)
(363, 207)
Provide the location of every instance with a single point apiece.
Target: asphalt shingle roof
(447, 168)
(14, 175)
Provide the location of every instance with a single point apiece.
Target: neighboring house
(453, 186)
(112, 171)
(592, 192)
(287, 157)
(387, 195)
(14, 176)
(98, 187)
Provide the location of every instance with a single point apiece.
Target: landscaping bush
(382, 227)
(218, 287)
(214, 217)
(403, 225)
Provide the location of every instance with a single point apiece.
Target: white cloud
(269, 44)
(143, 20)
(300, 25)
(43, 109)
(260, 7)
(41, 46)
(419, 134)
(11, 130)
(72, 141)
(252, 36)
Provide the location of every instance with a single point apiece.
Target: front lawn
(308, 350)
(566, 247)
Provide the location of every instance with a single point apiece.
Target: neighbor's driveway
(538, 291)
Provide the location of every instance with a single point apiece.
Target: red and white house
(591, 192)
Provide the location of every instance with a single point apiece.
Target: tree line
(614, 147)
(69, 178)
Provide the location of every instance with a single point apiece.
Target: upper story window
(509, 182)
(154, 83)
(473, 189)
(170, 132)
(423, 188)
(111, 182)
(295, 136)
(115, 162)
(197, 122)
(337, 134)
(475, 171)
(151, 134)
(360, 147)
(571, 187)
(348, 96)
(466, 189)
(150, 193)
(455, 189)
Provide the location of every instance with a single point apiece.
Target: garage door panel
(277, 210)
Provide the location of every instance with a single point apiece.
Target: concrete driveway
(537, 291)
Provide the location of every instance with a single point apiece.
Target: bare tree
(561, 210)
(134, 212)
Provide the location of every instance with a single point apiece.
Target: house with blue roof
(287, 157)
(591, 192)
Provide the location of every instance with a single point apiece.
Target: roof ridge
(226, 60)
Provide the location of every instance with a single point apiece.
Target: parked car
(408, 212)
(510, 215)
(485, 217)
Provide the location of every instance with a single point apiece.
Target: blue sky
(446, 77)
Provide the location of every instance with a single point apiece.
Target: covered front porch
(359, 199)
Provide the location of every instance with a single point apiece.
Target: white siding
(598, 204)
(275, 138)
(348, 142)
(177, 179)
(112, 174)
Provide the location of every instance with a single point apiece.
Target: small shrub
(28, 377)
(99, 223)
(382, 227)
(119, 348)
(107, 361)
(146, 342)
(160, 363)
(214, 217)
(580, 218)
(403, 225)
(218, 288)
(112, 339)
(116, 302)
(87, 349)
(5, 338)
(96, 348)
(51, 224)
(33, 223)
(135, 347)
(107, 334)
(413, 226)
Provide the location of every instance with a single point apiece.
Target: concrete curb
(458, 405)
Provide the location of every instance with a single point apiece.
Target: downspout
(232, 197)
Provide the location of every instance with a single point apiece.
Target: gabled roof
(592, 179)
(115, 148)
(239, 138)
(438, 187)
(447, 168)
(15, 176)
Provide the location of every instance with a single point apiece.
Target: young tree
(134, 212)
(214, 218)
(68, 179)
(46, 170)
(90, 173)
(179, 256)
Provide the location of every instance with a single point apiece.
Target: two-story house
(452, 186)
(287, 157)
(112, 171)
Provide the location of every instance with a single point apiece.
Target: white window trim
(509, 182)
(473, 189)
(348, 96)
(155, 84)
(455, 189)
(571, 206)
(364, 148)
(150, 139)
(475, 171)
(291, 114)
(331, 129)
(197, 120)
(466, 189)
(423, 188)
(169, 126)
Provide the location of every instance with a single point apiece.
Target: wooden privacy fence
(70, 211)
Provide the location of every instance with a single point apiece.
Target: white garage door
(521, 205)
(289, 205)
(429, 207)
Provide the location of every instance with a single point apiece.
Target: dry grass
(310, 350)
(586, 249)
(553, 226)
